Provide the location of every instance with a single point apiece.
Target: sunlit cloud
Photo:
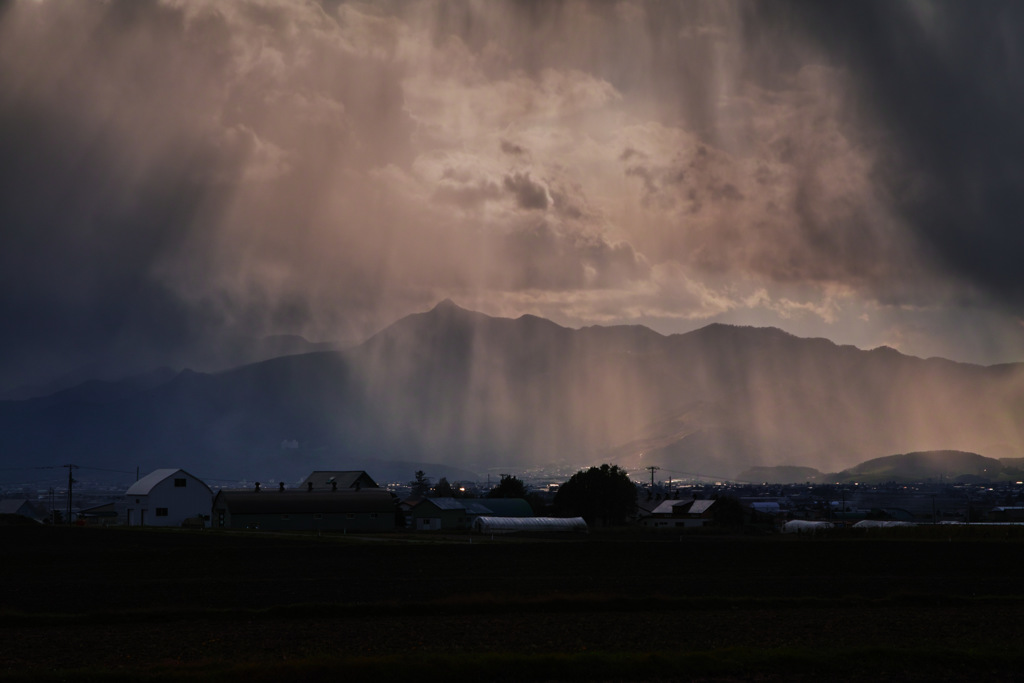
(259, 167)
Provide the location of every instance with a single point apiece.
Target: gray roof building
(349, 510)
(327, 480)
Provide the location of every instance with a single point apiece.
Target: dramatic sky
(179, 177)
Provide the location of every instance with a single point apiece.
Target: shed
(348, 510)
(101, 515)
(435, 514)
(167, 497)
(507, 525)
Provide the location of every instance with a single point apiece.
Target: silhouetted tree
(442, 489)
(602, 495)
(421, 485)
(508, 487)
(728, 511)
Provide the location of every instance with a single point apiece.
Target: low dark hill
(463, 389)
(949, 466)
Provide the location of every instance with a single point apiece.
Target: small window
(350, 515)
(180, 483)
(161, 512)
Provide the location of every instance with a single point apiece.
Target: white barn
(167, 498)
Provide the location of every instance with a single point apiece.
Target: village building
(167, 497)
(437, 514)
(23, 508)
(1007, 514)
(680, 514)
(335, 480)
(347, 510)
(106, 514)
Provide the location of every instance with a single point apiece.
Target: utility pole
(653, 469)
(71, 483)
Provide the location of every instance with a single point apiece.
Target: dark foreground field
(142, 605)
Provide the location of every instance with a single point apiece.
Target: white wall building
(167, 498)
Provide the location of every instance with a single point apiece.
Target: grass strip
(483, 605)
(838, 664)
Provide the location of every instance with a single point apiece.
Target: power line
(653, 469)
(71, 483)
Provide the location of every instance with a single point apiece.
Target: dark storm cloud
(512, 148)
(529, 193)
(84, 218)
(178, 177)
(157, 162)
(543, 257)
(943, 80)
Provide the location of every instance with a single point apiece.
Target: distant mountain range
(239, 351)
(927, 466)
(465, 390)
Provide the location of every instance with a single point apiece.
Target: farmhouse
(678, 514)
(371, 509)
(167, 498)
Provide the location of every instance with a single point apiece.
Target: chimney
(280, 486)
(257, 487)
(309, 486)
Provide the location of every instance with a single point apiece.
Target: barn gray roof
(143, 486)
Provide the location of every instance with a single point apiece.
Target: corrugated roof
(688, 507)
(346, 479)
(445, 503)
(666, 507)
(699, 507)
(304, 502)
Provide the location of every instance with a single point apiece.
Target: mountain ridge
(467, 390)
